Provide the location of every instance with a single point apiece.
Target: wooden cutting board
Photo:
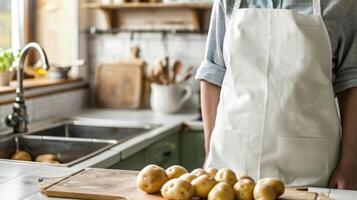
(122, 84)
(108, 184)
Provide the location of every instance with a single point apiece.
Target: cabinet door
(164, 153)
(134, 162)
(192, 153)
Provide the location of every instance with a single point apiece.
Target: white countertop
(20, 181)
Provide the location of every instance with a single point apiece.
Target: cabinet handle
(166, 153)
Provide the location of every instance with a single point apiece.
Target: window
(51, 23)
(5, 24)
(11, 23)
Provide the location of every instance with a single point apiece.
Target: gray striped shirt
(340, 17)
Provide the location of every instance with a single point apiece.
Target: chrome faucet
(18, 119)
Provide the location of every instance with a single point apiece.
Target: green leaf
(7, 59)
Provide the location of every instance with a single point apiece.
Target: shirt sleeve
(212, 69)
(345, 72)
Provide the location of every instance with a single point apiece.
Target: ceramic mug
(168, 98)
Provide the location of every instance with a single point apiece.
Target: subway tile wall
(107, 48)
(56, 105)
(112, 47)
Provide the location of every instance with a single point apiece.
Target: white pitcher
(168, 98)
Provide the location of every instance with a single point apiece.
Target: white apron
(277, 115)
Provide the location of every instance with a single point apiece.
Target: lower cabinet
(184, 148)
(134, 162)
(192, 153)
(164, 153)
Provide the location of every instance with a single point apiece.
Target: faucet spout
(20, 73)
(19, 118)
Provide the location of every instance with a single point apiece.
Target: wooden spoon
(176, 70)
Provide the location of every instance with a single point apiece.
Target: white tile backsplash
(43, 108)
(30, 109)
(3, 114)
(107, 48)
(56, 105)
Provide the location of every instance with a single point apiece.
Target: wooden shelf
(147, 6)
(175, 17)
(36, 83)
(40, 87)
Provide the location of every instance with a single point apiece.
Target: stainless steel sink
(80, 129)
(72, 140)
(69, 151)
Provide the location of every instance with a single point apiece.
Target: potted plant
(8, 62)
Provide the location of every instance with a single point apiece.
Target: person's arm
(212, 70)
(345, 176)
(209, 101)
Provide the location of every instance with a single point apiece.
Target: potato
(221, 191)
(212, 171)
(175, 171)
(275, 183)
(243, 189)
(21, 155)
(226, 175)
(46, 157)
(188, 177)
(177, 189)
(202, 185)
(264, 192)
(51, 161)
(244, 176)
(151, 178)
(199, 172)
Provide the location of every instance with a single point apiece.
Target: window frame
(17, 24)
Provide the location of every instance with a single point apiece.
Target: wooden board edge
(43, 189)
(75, 195)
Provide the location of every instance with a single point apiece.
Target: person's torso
(334, 12)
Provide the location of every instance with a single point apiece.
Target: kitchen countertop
(19, 181)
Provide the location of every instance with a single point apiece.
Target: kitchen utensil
(122, 84)
(176, 69)
(187, 75)
(159, 69)
(161, 73)
(166, 64)
(106, 184)
(158, 73)
(169, 98)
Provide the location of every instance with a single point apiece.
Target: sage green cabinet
(184, 148)
(163, 153)
(134, 162)
(192, 154)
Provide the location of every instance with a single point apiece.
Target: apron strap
(317, 7)
(237, 4)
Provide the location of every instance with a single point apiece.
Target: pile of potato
(176, 183)
(44, 158)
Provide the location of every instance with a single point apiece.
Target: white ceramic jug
(168, 98)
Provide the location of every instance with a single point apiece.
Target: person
(271, 72)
